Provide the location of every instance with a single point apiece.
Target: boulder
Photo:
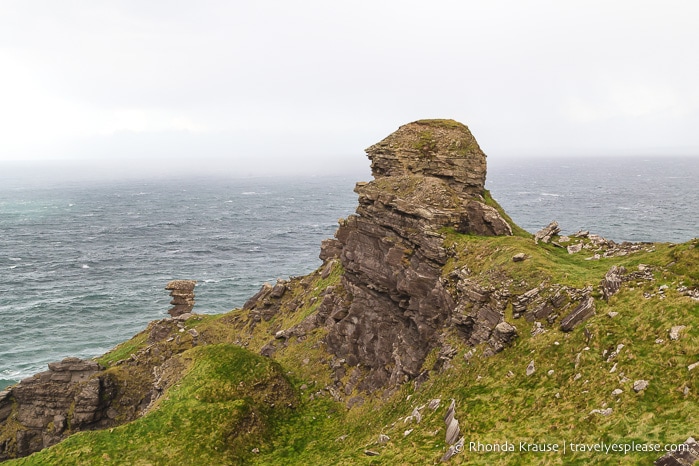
(278, 289)
(503, 335)
(434, 404)
(453, 431)
(640, 385)
(483, 220)
(583, 311)
(574, 248)
(611, 283)
(258, 297)
(545, 234)
(530, 368)
(687, 455)
(676, 331)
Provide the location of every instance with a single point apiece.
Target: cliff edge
(531, 340)
(429, 176)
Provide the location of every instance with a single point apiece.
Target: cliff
(433, 322)
(429, 176)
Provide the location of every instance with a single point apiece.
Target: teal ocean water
(83, 265)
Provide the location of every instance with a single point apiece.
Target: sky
(283, 87)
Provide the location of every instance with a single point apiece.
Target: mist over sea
(83, 264)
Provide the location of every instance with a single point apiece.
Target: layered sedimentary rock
(442, 149)
(72, 395)
(429, 175)
(182, 292)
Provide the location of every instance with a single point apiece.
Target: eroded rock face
(442, 149)
(72, 395)
(429, 175)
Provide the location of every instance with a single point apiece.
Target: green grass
(124, 350)
(221, 408)
(516, 229)
(426, 143)
(490, 258)
(229, 402)
(442, 123)
(497, 402)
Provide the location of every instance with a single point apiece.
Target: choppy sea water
(620, 198)
(83, 265)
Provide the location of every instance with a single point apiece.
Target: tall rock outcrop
(429, 174)
(443, 149)
(182, 292)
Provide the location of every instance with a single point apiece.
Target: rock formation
(443, 149)
(429, 175)
(76, 395)
(182, 292)
(72, 395)
(453, 430)
(583, 311)
(545, 234)
(611, 283)
(398, 297)
(688, 454)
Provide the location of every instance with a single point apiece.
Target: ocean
(83, 265)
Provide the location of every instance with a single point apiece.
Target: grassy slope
(222, 404)
(206, 418)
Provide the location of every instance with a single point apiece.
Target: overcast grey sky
(244, 87)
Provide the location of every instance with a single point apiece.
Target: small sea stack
(182, 292)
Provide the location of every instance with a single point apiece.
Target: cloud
(30, 112)
(624, 100)
(527, 77)
(141, 120)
